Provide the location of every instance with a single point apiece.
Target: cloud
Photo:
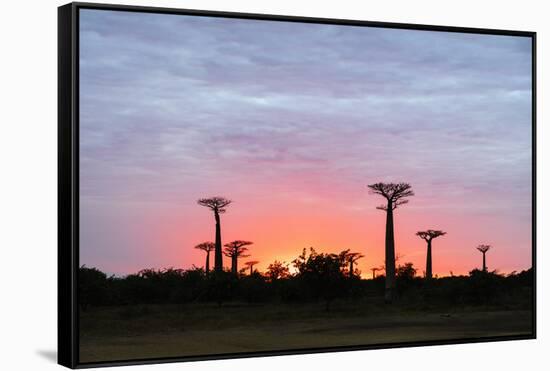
(173, 106)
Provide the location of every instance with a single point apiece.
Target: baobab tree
(206, 247)
(374, 269)
(484, 249)
(235, 250)
(428, 236)
(396, 195)
(352, 258)
(217, 205)
(251, 264)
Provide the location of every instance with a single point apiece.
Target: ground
(139, 332)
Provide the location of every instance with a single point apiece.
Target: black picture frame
(68, 177)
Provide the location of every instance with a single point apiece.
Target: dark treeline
(318, 278)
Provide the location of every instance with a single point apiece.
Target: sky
(291, 122)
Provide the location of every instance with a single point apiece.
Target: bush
(320, 277)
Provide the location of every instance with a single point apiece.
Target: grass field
(138, 332)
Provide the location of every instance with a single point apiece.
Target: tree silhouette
(406, 271)
(277, 270)
(320, 277)
(206, 247)
(251, 264)
(217, 205)
(428, 236)
(395, 195)
(374, 269)
(322, 273)
(483, 249)
(235, 250)
(93, 287)
(352, 258)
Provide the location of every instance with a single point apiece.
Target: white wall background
(28, 152)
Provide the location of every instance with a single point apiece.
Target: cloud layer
(296, 119)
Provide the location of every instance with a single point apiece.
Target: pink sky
(292, 122)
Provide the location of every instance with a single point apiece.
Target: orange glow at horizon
(280, 233)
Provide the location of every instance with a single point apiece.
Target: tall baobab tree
(251, 264)
(395, 195)
(352, 258)
(428, 236)
(217, 205)
(484, 249)
(206, 247)
(235, 250)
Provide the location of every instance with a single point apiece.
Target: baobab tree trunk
(234, 264)
(484, 266)
(429, 261)
(251, 269)
(390, 255)
(207, 265)
(351, 269)
(218, 262)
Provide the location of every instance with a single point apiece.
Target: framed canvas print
(236, 185)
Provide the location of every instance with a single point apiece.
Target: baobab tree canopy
(430, 234)
(216, 204)
(206, 246)
(375, 269)
(251, 264)
(354, 256)
(236, 248)
(395, 193)
(483, 248)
